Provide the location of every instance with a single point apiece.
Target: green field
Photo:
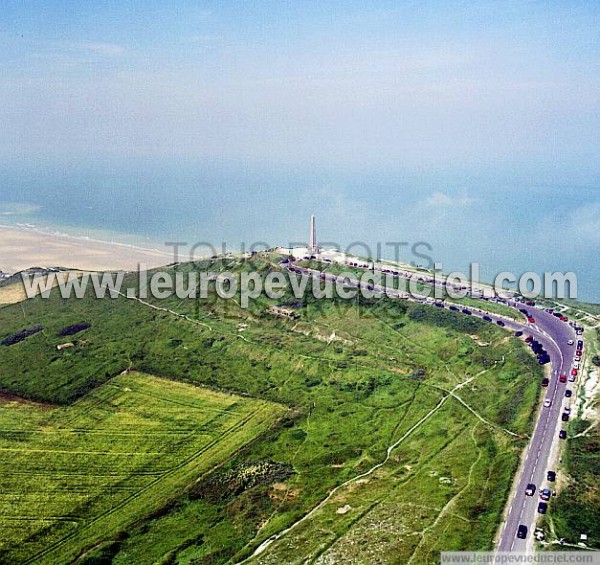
(73, 476)
(454, 396)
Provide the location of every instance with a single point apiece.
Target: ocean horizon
(439, 216)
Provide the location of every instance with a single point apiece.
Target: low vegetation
(444, 400)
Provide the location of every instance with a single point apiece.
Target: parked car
(500, 323)
(518, 333)
(568, 393)
(562, 434)
(545, 382)
(545, 494)
(551, 476)
(542, 507)
(564, 417)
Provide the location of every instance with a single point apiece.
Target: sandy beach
(23, 248)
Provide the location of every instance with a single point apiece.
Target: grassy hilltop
(107, 467)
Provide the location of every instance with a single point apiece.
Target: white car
(548, 402)
(567, 409)
(570, 342)
(576, 366)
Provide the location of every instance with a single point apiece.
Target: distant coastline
(24, 245)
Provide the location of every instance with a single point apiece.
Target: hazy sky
(472, 125)
(414, 84)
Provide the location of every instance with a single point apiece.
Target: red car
(531, 320)
(574, 372)
(546, 381)
(564, 319)
(529, 339)
(563, 378)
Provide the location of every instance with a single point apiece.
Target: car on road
(545, 382)
(568, 393)
(563, 378)
(545, 494)
(518, 333)
(522, 531)
(562, 434)
(454, 308)
(487, 318)
(551, 476)
(530, 490)
(500, 323)
(531, 320)
(542, 507)
(548, 402)
(570, 342)
(564, 319)
(529, 338)
(467, 312)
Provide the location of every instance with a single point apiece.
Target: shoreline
(23, 246)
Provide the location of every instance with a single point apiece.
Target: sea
(503, 221)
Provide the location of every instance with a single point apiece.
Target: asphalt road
(542, 449)
(541, 452)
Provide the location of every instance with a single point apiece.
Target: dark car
(545, 494)
(522, 531)
(531, 320)
(455, 308)
(467, 312)
(500, 323)
(545, 382)
(542, 507)
(529, 339)
(568, 393)
(518, 333)
(551, 476)
(579, 344)
(564, 417)
(562, 434)
(487, 318)
(530, 490)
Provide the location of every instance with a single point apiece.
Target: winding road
(542, 452)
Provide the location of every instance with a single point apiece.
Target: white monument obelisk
(312, 246)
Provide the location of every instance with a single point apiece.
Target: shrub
(21, 335)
